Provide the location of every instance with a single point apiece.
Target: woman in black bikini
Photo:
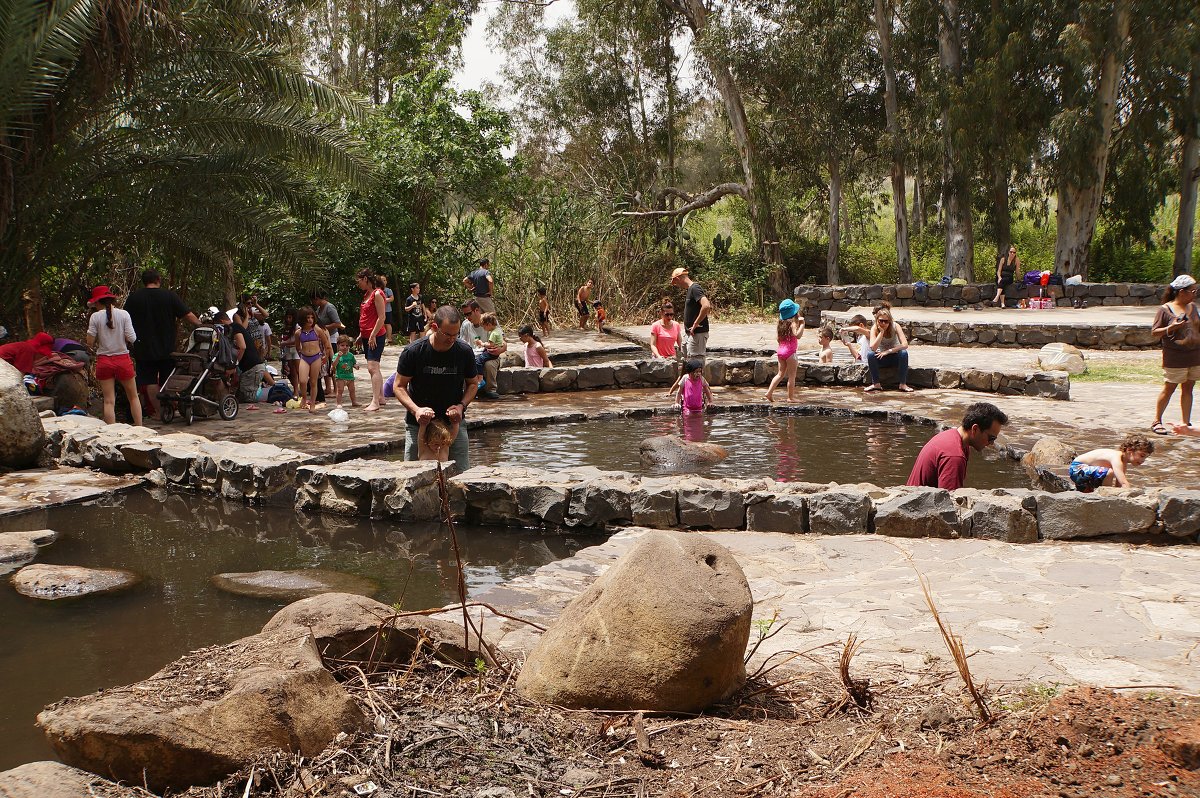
(312, 344)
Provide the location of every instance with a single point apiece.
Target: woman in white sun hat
(1177, 325)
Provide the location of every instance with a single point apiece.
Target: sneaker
(489, 394)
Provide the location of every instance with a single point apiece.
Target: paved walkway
(1095, 613)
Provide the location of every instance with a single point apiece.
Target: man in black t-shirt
(480, 282)
(154, 311)
(436, 378)
(695, 315)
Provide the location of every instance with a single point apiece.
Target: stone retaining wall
(976, 334)
(843, 297)
(760, 370)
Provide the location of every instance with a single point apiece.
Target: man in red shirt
(942, 462)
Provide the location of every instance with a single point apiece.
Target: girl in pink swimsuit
(787, 332)
(694, 393)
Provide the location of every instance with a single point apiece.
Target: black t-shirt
(480, 278)
(154, 311)
(417, 311)
(438, 378)
(251, 357)
(691, 309)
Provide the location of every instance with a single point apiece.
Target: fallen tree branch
(692, 202)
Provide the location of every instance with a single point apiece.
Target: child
(344, 366)
(787, 332)
(1107, 467)
(434, 439)
(601, 316)
(694, 393)
(854, 336)
(535, 352)
(543, 311)
(825, 337)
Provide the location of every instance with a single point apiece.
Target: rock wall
(1025, 335)
(759, 370)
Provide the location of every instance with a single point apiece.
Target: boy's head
(597, 304)
(414, 287)
(489, 321)
(437, 434)
(344, 344)
(1136, 448)
(541, 290)
(859, 320)
(825, 333)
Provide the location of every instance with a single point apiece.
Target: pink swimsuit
(787, 348)
(693, 395)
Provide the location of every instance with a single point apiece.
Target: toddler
(694, 393)
(543, 311)
(434, 439)
(854, 336)
(601, 315)
(787, 331)
(825, 337)
(535, 352)
(1107, 467)
(344, 366)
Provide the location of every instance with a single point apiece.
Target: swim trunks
(1087, 477)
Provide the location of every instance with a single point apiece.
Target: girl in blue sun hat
(787, 333)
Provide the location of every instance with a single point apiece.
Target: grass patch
(1149, 373)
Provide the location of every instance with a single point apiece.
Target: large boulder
(71, 581)
(352, 628)
(665, 629)
(56, 780)
(1063, 516)
(21, 435)
(292, 585)
(920, 512)
(674, 451)
(206, 715)
(1061, 357)
(1048, 452)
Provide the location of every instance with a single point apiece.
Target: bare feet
(905, 389)
(371, 408)
(770, 398)
(354, 404)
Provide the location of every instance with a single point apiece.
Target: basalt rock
(674, 451)
(293, 584)
(22, 437)
(71, 581)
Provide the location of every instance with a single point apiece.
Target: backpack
(225, 353)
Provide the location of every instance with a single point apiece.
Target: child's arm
(541, 350)
(708, 397)
(1118, 469)
(798, 326)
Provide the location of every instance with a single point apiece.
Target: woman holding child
(887, 347)
(1177, 324)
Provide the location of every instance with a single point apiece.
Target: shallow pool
(789, 447)
(177, 542)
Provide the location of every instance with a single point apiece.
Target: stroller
(199, 385)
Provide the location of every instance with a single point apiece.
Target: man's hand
(424, 415)
(454, 412)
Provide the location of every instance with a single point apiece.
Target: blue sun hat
(788, 309)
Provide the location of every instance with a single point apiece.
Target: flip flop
(1159, 429)
(872, 389)
(906, 389)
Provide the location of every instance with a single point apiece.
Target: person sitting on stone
(1106, 467)
(887, 348)
(854, 336)
(942, 462)
(23, 354)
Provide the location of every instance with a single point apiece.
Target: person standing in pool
(942, 462)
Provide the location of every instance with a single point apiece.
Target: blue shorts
(1087, 477)
(374, 352)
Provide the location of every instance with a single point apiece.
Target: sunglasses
(992, 438)
(668, 315)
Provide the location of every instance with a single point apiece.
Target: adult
(250, 361)
(252, 316)
(477, 337)
(1177, 325)
(664, 333)
(371, 331)
(23, 354)
(480, 282)
(583, 303)
(414, 313)
(110, 332)
(887, 347)
(312, 344)
(695, 315)
(466, 328)
(155, 312)
(942, 462)
(436, 378)
(389, 296)
(1006, 271)
(328, 320)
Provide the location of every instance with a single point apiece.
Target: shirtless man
(583, 301)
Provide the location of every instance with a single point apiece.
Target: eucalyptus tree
(885, 20)
(1186, 122)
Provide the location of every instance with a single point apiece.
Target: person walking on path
(1177, 325)
(436, 378)
(942, 462)
(887, 347)
(389, 318)
(415, 315)
(1007, 267)
(110, 332)
(481, 283)
(583, 303)
(695, 315)
(371, 332)
(154, 311)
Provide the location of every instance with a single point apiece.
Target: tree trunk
(31, 297)
(1001, 215)
(832, 275)
(956, 200)
(758, 197)
(1189, 175)
(230, 283)
(1079, 200)
(891, 104)
(918, 202)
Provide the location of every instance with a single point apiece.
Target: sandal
(905, 389)
(1158, 429)
(872, 389)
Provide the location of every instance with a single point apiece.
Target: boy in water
(543, 311)
(601, 316)
(1107, 467)
(434, 439)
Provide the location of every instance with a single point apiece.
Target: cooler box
(1041, 303)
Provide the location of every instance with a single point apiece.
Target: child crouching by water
(535, 351)
(1106, 467)
(434, 439)
(694, 393)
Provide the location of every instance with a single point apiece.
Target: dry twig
(955, 645)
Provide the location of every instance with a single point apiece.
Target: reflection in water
(785, 447)
(176, 542)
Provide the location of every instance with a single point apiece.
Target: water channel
(54, 649)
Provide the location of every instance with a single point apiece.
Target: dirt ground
(440, 732)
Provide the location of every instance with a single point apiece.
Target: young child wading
(694, 393)
(434, 439)
(1107, 467)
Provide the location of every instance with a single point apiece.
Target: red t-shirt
(664, 339)
(942, 462)
(367, 316)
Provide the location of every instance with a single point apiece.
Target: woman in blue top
(388, 296)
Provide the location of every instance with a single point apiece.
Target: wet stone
(53, 582)
(292, 585)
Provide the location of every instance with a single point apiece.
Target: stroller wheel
(228, 408)
(166, 411)
(187, 412)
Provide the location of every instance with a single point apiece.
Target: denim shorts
(375, 352)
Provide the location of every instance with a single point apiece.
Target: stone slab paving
(41, 488)
(1105, 614)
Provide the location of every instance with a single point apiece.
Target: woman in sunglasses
(887, 348)
(664, 333)
(1177, 325)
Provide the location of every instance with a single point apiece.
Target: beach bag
(279, 393)
(1032, 278)
(226, 352)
